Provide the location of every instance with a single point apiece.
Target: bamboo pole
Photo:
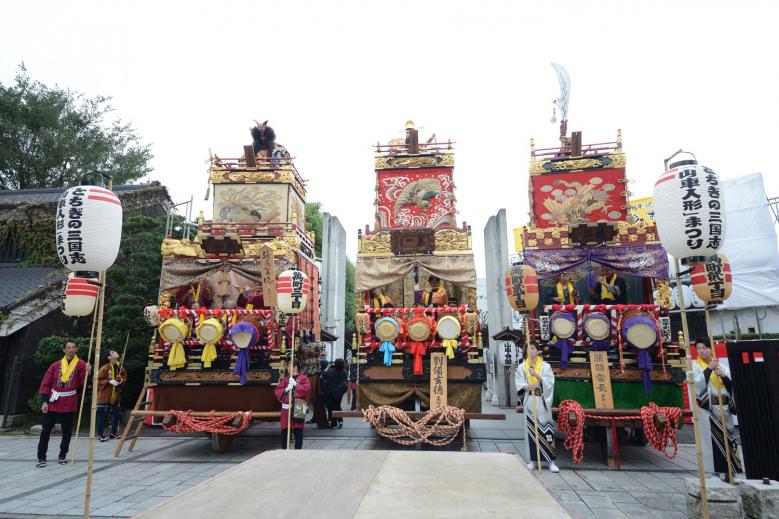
(692, 394)
(84, 387)
(289, 374)
(535, 402)
(725, 439)
(98, 343)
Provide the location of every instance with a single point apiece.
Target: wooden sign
(438, 388)
(268, 276)
(601, 380)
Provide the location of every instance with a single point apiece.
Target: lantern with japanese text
(89, 228)
(292, 289)
(522, 288)
(712, 281)
(689, 210)
(80, 296)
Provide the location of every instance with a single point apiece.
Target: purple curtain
(640, 260)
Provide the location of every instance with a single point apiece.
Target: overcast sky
(335, 77)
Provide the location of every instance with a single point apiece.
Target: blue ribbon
(565, 351)
(645, 365)
(242, 364)
(387, 348)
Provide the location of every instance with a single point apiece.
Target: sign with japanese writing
(543, 327)
(665, 329)
(438, 388)
(268, 276)
(601, 380)
(642, 209)
(508, 353)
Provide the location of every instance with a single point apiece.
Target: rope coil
(185, 422)
(660, 439)
(574, 436)
(443, 423)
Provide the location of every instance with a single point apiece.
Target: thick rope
(443, 423)
(574, 436)
(660, 439)
(185, 422)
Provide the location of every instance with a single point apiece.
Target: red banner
(415, 198)
(578, 197)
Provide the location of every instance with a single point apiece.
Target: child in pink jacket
(301, 386)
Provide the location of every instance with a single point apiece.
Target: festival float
(618, 370)
(418, 356)
(234, 301)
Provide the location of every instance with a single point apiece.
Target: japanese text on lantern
(715, 209)
(691, 207)
(601, 380)
(70, 249)
(715, 278)
(297, 289)
(438, 387)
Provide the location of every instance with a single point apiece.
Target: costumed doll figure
(712, 379)
(535, 386)
(565, 293)
(195, 295)
(610, 289)
(378, 299)
(436, 295)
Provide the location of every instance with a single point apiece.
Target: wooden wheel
(221, 443)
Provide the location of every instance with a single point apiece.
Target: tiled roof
(18, 282)
(16, 196)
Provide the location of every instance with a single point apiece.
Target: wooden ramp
(367, 484)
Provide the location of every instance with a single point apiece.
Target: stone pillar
(761, 500)
(333, 281)
(498, 309)
(724, 499)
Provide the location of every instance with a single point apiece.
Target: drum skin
(448, 327)
(418, 328)
(639, 329)
(210, 330)
(563, 325)
(597, 326)
(387, 329)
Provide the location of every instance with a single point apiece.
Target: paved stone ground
(163, 465)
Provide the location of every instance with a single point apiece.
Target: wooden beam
(205, 414)
(420, 414)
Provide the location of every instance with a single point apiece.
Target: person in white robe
(712, 380)
(535, 386)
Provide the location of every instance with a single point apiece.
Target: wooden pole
(289, 373)
(692, 394)
(725, 439)
(535, 402)
(84, 387)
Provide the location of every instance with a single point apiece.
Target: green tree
(315, 224)
(52, 137)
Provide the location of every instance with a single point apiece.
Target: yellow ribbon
(560, 293)
(536, 368)
(715, 379)
(177, 359)
(450, 345)
(113, 387)
(208, 355)
(67, 368)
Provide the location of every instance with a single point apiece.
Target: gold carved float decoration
(259, 176)
(615, 160)
(414, 161)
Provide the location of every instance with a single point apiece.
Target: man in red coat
(301, 386)
(59, 388)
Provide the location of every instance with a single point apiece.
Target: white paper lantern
(292, 290)
(89, 228)
(689, 210)
(687, 293)
(80, 296)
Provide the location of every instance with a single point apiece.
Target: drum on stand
(639, 329)
(563, 325)
(597, 326)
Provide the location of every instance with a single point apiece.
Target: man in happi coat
(59, 388)
(109, 395)
(535, 386)
(712, 380)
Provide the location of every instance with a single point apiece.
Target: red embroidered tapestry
(415, 198)
(577, 197)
